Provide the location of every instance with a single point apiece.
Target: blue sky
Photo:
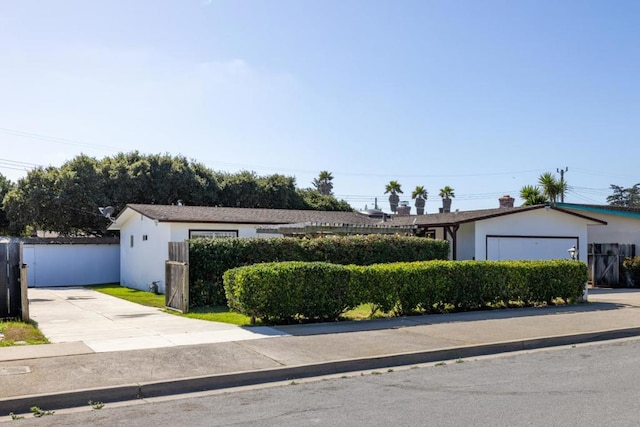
(483, 96)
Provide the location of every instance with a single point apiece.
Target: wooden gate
(605, 262)
(176, 291)
(13, 282)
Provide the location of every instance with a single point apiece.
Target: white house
(508, 233)
(146, 230)
(611, 244)
(623, 223)
(531, 232)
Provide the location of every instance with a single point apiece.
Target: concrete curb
(78, 398)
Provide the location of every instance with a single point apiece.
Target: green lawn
(213, 314)
(21, 333)
(139, 297)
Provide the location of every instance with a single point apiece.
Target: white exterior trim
(144, 263)
(540, 223)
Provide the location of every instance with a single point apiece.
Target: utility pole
(561, 172)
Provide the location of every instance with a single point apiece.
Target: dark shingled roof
(172, 213)
(207, 214)
(451, 218)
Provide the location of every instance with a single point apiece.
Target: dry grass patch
(21, 333)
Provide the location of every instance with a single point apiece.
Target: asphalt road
(587, 385)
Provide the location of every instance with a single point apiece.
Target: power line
(23, 134)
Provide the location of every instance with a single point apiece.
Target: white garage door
(528, 247)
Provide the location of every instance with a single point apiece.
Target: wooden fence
(605, 263)
(14, 303)
(177, 277)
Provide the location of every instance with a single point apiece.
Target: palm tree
(446, 193)
(323, 183)
(551, 187)
(393, 187)
(532, 196)
(420, 194)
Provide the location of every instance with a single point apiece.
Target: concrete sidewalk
(50, 379)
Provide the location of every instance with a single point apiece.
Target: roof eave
(600, 209)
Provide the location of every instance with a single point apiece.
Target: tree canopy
(66, 199)
(447, 192)
(419, 193)
(393, 187)
(5, 187)
(551, 187)
(548, 190)
(532, 196)
(628, 197)
(323, 183)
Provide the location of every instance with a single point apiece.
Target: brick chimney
(506, 201)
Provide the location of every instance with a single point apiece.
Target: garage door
(529, 247)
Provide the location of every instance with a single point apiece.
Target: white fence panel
(71, 264)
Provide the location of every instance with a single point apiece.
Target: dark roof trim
(624, 211)
(230, 215)
(498, 213)
(590, 218)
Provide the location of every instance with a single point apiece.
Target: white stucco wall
(535, 223)
(466, 241)
(619, 229)
(71, 264)
(144, 263)
(465, 238)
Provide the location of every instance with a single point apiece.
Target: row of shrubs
(210, 258)
(287, 291)
(631, 271)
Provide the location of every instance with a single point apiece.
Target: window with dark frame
(209, 234)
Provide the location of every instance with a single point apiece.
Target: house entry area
(506, 248)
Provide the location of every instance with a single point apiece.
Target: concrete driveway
(105, 323)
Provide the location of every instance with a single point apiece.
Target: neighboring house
(508, 233)
(146, 230)
(611, 244)
(531, 232)
(623, 223)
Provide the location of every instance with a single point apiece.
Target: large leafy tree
(247, 189)
(628, 197)
(5, 187)
(312, 199)
(323, 183)
(66, 199)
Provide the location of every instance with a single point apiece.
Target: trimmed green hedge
(320, 291)
(210, 258)
(631, 270)
(275, 291)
